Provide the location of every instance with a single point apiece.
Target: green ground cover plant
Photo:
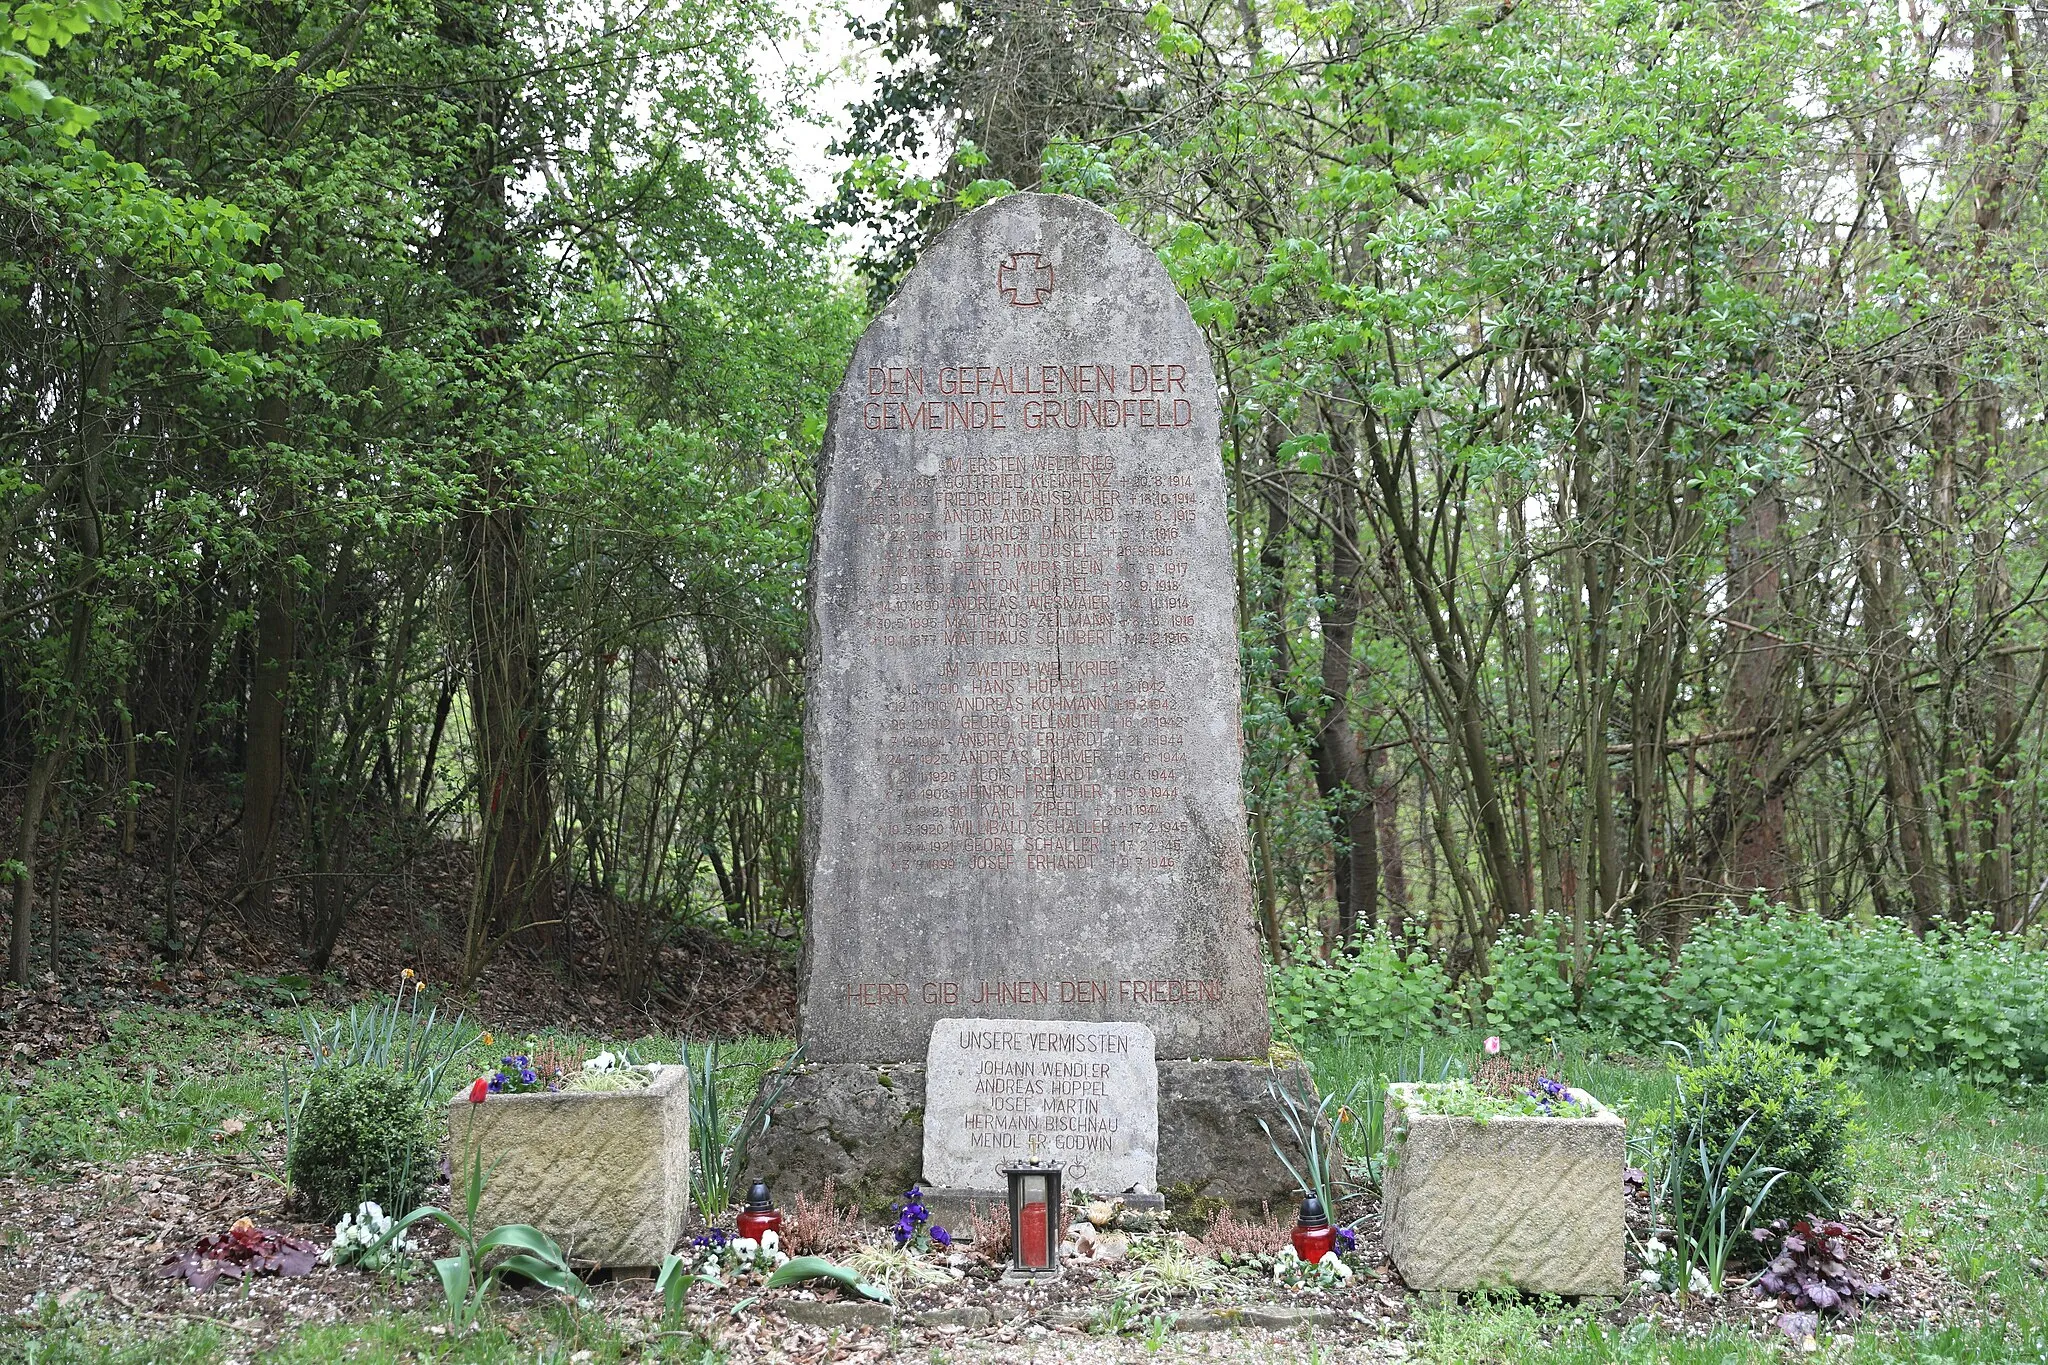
(1383, 990)
(1964, 1001)
(1464, 1100)
(164, 1080)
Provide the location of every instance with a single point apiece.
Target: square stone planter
(1525, 1203)
(606, 1173)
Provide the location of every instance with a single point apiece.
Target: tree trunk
(263, 751)
(97, 426)
(1340, 766)
(1754, 857)
(1387, 816)
(270, 671)
(514, 886)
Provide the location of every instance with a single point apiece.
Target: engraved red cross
(1024, 279)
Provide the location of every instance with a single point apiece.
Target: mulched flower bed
(94, 1245)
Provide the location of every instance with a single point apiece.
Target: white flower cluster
(356, 1233)
(739, 1256)
(1328, 1273)
(603, 1062)
(1662, 1269)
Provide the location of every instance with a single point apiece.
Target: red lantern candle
(759, 1215)
(1034, 1242)
(1313, 1237)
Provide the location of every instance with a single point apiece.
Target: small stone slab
(605, 1173)
(999, 1091)
(839, 1313)
(1280, 1317)
(1529, 1203)
(970, 1317)
(1204, 1322)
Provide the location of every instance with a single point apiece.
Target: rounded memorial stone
(1023, 748)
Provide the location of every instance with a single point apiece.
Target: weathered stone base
(862, 1127)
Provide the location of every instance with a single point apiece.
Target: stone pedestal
(1525, 1203)
(862, 1126)
(604, 1173)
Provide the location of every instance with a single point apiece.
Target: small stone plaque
(1000, 1091)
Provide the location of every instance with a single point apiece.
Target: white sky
(821, 48)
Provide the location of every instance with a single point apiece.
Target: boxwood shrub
(362, 1134)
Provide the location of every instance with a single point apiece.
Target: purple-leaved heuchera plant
(1810, 1270)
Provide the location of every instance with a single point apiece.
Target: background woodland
(1634, 422)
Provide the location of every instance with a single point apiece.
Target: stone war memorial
(1030, 931)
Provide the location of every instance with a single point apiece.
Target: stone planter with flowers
(1522, 1193)
(601, 1163)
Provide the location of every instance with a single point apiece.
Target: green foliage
(1529, 993)
(362, 1133)
(1768, 1108)
(1378, 991)
(163, 1081)
(1969, 1002)
(33, 30)
(800, 1269)
(1460, 1098)
(722, 1123)
(1363, 1074)
(392, 1035)
(1311, 1127)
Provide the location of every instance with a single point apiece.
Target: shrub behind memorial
(1380, 990)
(1966, 1001)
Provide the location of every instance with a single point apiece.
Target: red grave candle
(1033, 1245)
(760, 1215)
(1313, 1237)
(1312, 1244)
(754, 1224)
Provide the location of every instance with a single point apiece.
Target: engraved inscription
(998, 762)
(998, 1091)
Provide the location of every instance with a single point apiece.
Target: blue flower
(911, 1215)
(941, 1236)
(1347, 1241)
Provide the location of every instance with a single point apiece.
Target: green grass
(165, 1079)
(548, 1336)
